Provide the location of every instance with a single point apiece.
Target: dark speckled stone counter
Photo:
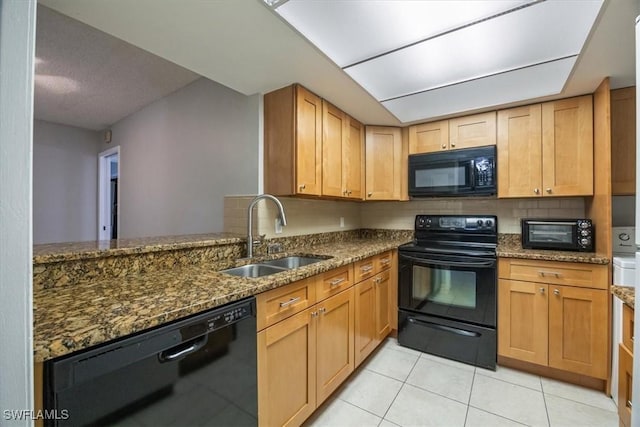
(510, 246)
(73, 317)
(626, 293)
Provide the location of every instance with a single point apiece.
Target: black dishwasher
(196, 371)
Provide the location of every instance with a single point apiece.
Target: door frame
(104, 190)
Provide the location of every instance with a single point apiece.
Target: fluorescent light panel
(352, 31)
(536, 34)
(527, 83)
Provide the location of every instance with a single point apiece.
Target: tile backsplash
(308, 216)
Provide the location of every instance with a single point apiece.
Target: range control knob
(585, 241)
(488, 223)
(480, 223)
(584, 232)
(584, 224)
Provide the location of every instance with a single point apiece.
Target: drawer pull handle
(288, 303)
(542, 290)
(629, 404)
(556, 292)
(366, 269)
(385, 261)
(336, 282)
(550, 273)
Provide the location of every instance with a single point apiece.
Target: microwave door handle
(489, 263)
(473, 173)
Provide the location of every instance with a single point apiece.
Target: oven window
(551, 233)
(443, 176)
(454, 288)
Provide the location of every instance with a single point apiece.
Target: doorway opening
(108, 193)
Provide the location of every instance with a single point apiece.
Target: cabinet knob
(369, 194)
(548, 190)
(536, 190)
(556, 292)
(444, 146)
(349, 193)
(302, 187)
(542, 290)
(453, 144)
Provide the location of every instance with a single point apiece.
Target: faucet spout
(283, 218)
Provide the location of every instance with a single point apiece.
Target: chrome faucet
(283, 219)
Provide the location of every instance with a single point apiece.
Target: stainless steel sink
(254, 270)
(293, 261)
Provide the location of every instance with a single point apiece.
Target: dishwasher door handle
(180, 351)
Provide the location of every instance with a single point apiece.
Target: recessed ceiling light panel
(352, 31)
(526, 83)
(529, 36)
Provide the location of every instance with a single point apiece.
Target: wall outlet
(278, 226)
(341, 222)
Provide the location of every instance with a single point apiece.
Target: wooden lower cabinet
(303, 359)
(365, 326)
(625, 384)
(554, 325)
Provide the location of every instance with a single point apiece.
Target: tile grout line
(473, 380)
(404, 382)
(544, 399)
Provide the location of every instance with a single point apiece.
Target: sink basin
(293, 261)
(254, 270)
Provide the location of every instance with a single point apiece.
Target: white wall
(65, 183)
(181, 155)
(17, 46)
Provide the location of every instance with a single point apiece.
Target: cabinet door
(578, 340)
(625, 384)
(519, 152)
(567, 147)
(308, 145)
(353, 155)
(335, 342)
(383, 318)
(623, 141)
(522, 320)
(383, 166)
(429, 137)
(365, 320)
(472, 131)
(287, 371)
(334, 129)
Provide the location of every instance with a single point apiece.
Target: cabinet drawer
(277, 304)
(627, 327)
(365, 268)
(383, 261)
(560, 273)
(334, 281)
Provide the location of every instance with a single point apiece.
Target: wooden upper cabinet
(461, 132)
(429, 137)
(353, 164)
(567, 147)
(292, 142)
(546, 149)
(519, 151)
(334, 135)
(383, 165)
(473, 131)
(623, 141)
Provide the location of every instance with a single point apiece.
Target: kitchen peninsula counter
(73, 316)
(626, 293)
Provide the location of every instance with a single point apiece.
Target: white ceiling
(247, 47)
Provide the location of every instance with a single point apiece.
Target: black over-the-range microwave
(463, 172)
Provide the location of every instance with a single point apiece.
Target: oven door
(455, 287)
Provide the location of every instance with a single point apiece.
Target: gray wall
(65, 183)
(181, 155)
(624, 211)
(17, 41)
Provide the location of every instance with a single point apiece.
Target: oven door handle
(488, 263)
(444, 328)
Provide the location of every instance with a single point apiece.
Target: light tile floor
(398, 386)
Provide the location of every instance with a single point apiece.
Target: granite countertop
(56, 252)
(71, 318)
(510, 246)
(626, 293)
